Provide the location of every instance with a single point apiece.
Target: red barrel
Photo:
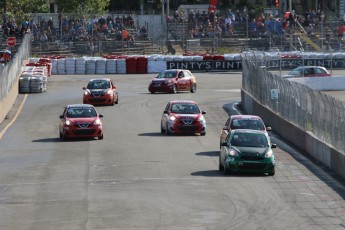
(131, 65)
(142, 64)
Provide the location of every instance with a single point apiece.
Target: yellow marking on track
(14, 118)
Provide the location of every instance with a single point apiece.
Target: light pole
(322, 35)
(245, 10)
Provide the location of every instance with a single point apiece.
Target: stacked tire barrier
(33, 78)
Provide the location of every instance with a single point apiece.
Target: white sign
(274, 94)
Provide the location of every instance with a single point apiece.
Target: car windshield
(98, 85)
(75, 112)
(167, 74)
(247, 124)
(187, 108)
(258, 140)
(295, 72)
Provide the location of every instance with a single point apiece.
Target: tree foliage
(24, 9)
(83, 7)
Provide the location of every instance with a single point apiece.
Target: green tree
(83, 7)
(24, 9)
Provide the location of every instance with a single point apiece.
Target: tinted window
(247, 124)
(167, 74)
(187, 108)
(75, 112)
(98, 85)
(249, 140)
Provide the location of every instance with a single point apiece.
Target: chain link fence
(11, 71)
(310, 110)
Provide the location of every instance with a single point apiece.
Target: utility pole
(5, 11)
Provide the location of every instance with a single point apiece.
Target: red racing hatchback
(80, 121)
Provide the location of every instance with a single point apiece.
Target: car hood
(251, 151)
(83, 120)
(97, 90)
(179, 115)
(161, 79)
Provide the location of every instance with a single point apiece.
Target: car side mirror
(84, 88)
(203, 112)
(101, 115)
(61, 116)
(273, 146)
(165, 112)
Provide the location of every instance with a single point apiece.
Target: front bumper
(165, 88)
(101, 100)
(266, 165)
(74, 132)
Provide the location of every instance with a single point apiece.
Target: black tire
(60, 135)
(152, 92)
(220, 166)
(203, 134)
(101, 137)
(167, 132)
(272, 173)
(193, 89)
(162, 130)
(225, 169)
(174, 89)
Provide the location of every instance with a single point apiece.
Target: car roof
(248, 131)
(311, 66)
(241, 116)
(183, 101)
(100, 79)
(80, 105)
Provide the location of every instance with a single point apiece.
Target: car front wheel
(174, 89)
(221, 167)
(193, 89)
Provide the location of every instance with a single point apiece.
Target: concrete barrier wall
(305, 141)
(7, 102)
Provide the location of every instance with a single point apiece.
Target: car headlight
(172, 118)
(86, 93)
(233, 153)
(97, 122)
(201, 118)
(109, 92)
(167, 81)
(269, 154)
(68, 122)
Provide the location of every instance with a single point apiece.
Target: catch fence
(310, 110)
(11, 71)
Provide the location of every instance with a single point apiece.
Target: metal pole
(322, 37)
(5, 11)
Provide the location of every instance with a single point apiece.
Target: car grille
(84, 131)
(156, 83)
(82, 124)
(252, 158)
(187, 120)
(97, 100)
(97, 94)
(187, 128)
(252, 166)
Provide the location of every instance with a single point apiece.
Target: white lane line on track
(14, 118)
(307, 194)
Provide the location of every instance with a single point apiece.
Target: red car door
(181, 81)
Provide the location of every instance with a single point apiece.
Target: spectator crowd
(76, 29)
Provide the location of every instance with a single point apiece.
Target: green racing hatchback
(247, 150)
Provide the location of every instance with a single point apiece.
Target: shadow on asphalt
(208, 154)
